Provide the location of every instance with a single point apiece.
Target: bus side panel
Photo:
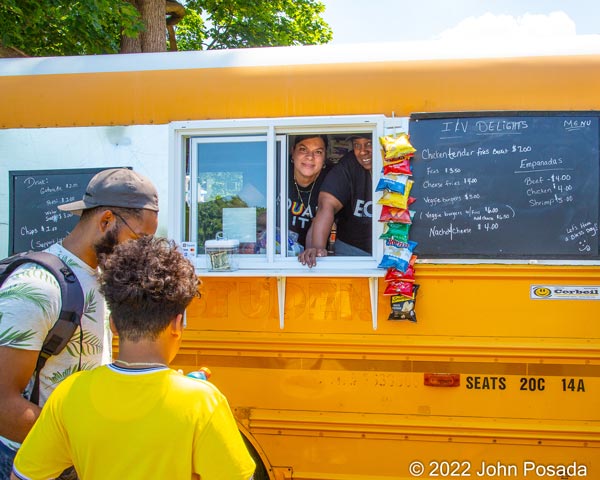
(162, 96)
(528, 370)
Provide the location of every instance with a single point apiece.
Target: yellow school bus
(499, 377)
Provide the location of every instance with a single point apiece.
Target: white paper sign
(240, 224)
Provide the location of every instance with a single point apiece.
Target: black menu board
(35, 222)
(506, 186)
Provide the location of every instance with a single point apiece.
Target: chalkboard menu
(506, 186)
(35, 222)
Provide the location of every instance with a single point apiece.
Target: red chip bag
(394, 274)
(393, 214)
(400, 168)
(399, 287)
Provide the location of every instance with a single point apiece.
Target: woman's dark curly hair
(147, 282)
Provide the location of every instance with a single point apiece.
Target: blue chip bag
(393, 183)
(397, 254)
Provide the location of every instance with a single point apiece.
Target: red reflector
(441, 379)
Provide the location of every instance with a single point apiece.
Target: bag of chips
(399, 287)
(403, 308)
(398, 200)
(397, 231)
(402, 167)
(397, 215)
(393, 183)
(397, 254)
(394, 274)
(395, 161)
(396, 146)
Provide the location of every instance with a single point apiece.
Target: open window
(238, 178)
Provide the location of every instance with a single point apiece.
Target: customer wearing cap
(346, 198)
(118, 205)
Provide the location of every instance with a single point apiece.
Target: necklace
(304, 207)
(140, 364)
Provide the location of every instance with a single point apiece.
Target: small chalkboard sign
(35, 222)
(506, 186)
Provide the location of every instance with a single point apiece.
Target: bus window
(230, 190)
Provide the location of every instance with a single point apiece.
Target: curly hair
(147, 282)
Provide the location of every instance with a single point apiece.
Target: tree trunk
(154, 38)
(131, 44)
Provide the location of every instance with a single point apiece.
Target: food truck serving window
(509, 187)
(257, 183)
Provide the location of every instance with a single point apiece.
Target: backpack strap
(71, 311)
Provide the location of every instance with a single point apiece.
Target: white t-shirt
(30, 303)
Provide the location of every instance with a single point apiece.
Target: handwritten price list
(522, 186)
(35, 220)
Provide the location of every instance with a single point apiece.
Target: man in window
(346, 198)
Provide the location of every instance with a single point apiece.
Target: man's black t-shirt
(351, 184)
(302, 205)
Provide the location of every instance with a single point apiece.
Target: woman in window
(308, 161)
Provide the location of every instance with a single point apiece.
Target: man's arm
(318, 233)
(17, 415)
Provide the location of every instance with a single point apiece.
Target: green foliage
(56, 27)
(84, 27)
(219, 24)
(191, 31)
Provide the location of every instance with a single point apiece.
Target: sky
(366, 21)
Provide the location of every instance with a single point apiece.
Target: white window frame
(278, 264)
